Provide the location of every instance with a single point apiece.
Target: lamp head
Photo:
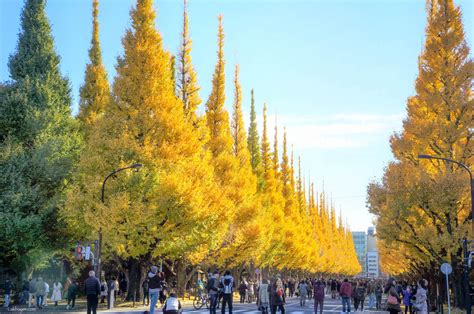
(425, 157)
(137, 165)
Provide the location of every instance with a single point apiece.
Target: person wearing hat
(154, 287)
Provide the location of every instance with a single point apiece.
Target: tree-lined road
(292, 306)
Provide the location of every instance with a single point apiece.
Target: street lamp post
(99, 251)
(467, 292)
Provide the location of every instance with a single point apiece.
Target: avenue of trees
(423, 207)
(211, 193)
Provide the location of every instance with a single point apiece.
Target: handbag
(392, 300)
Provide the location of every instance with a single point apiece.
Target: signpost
(447, 269)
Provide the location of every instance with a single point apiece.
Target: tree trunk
(180, 277)
(135, 275)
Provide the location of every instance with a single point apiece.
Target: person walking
(393, 298)
(66, 287)
(371, 294)
(251, 292)
(46, 293)
(163, 288)
(25, 292)
(346, 292)
(213, 291)
(154, 287)
(40, 291)
(243, 287)
(71, 294)
(92, 292)
(103, 291)
(407, 295)
(318, 289)
(227, 290)
(146, 293)
(378, 296)
(277, 297)
(31, 292)
(8, 291)
(359, 299)
(303, 291)
(56, 296)
(421, 298)
(333, 289)
(264, 297)
(111, 292)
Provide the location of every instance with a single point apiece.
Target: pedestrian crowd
(270, 295)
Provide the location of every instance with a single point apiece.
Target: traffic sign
(446, 268)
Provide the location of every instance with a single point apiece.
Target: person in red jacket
(346, 292)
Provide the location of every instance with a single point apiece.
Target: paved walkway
(292, 307)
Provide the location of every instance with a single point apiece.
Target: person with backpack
(227, 290)
(213, 291)
(346, 292)
(277, 297)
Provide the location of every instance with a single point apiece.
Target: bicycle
(201, 300)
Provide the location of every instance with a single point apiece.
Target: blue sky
(336, 73)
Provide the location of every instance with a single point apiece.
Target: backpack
(227, 286)
(102, 287)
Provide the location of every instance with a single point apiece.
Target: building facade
(360, 245)
(365, 245)
(373, 264)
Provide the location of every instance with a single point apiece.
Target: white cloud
(349, 130)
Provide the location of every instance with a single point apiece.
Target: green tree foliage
(39, 143)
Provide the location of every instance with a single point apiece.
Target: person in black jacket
(92, 291)
(154, 287)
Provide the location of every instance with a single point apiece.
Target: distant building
(373, 264)
(360, 245)
(365, 245)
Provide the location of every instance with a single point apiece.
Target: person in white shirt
(172, 305)
(56, 296)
